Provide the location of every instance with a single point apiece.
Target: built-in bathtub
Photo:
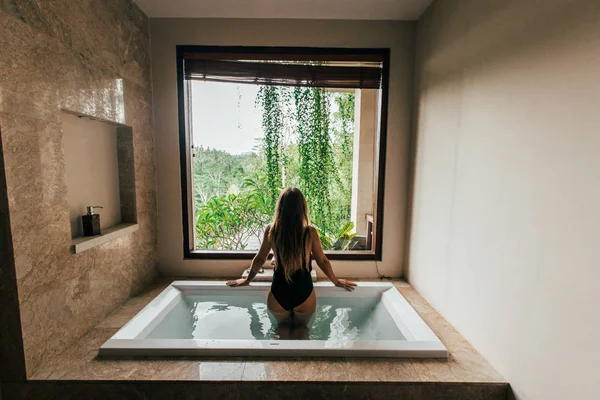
(210, 319)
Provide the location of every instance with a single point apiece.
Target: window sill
(249, 255)
(267, 275)
(81, 244)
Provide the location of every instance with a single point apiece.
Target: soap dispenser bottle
(91, 222)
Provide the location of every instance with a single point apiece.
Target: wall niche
(99, 172)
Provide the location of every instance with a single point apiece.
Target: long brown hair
(288, 230)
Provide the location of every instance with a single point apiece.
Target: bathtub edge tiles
(38, 390)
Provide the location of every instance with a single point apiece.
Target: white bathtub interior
(208, 318)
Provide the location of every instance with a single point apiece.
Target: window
(253, 120)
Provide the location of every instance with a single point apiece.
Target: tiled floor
(80, 362)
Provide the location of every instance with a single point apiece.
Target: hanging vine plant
(315, 152)
(306, 112)
(269, 98)
(303, 102)
(343, 137)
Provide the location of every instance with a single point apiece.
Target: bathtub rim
(420, 341)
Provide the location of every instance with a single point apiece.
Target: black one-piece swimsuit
(292, 294)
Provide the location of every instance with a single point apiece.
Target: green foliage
(228, 222)
(217, 173)
(272, 121)
(304, 145)
(221, 221)
(343, 139)
(315, 152)
(257, 190)
(342, 239)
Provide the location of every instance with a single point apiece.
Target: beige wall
(90, 58)
(166, 33)
(91, 170)
(506, 229)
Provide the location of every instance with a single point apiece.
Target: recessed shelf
(84, 243)
(100, 170)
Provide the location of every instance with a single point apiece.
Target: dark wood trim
(286, 53)
(333, 58)
(183, 153)
(369, 239)
(353, 54)
(289, 74)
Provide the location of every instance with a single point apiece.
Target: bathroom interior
(477, 233)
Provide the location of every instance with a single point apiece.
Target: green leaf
(346, 228)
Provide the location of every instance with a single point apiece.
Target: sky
(224, 116)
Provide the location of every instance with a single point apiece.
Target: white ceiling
(300, 9)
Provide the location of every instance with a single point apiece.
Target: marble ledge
(81, 244)
(149, 390)
(465, 366)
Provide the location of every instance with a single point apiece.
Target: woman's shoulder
(312, 231)
(267, 230)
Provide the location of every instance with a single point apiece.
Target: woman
(293, 240)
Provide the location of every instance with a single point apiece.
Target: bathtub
(198, 318)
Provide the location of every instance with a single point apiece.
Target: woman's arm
(324, 263)
(257, 262)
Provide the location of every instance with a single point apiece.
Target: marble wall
(89, 57)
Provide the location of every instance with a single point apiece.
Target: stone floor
(465, 367)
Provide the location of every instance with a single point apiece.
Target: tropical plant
(222, 223)
(343, 239)
(229, 222)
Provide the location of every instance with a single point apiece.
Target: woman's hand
(346, 284)
(238, 282)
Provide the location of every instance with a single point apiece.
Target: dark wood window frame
(384, 53)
